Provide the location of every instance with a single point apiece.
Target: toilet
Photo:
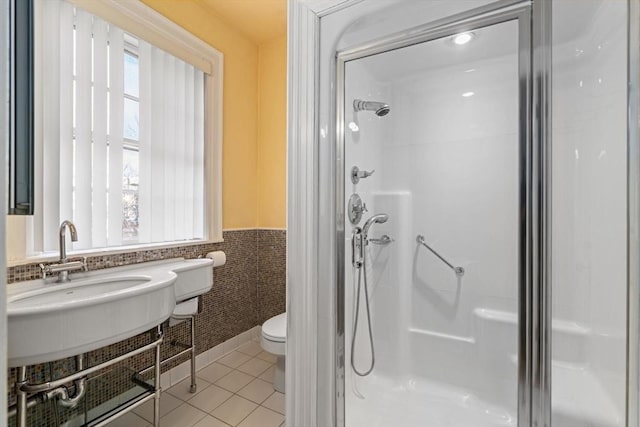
(274, 339)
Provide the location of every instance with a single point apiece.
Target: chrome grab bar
(458, 270)
(382, 240)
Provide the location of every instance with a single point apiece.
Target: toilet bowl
(274, 341)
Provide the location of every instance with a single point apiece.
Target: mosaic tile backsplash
(272, 248)
(247, 290)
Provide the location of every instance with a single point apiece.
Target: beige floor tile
(209, 421)
(234, 410)
(267, 357)
(257, 390)
(167, 403)
(262, 417)
(184, 415)
(129, 420)
(213, 372)
(234, 359)
(254, 367)
(251, 348)
(268, 374)
(234, 381)
(210, 398)
(182, 389)
(275, 402)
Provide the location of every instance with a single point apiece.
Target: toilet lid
(275, 329)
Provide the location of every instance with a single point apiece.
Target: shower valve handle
(357, 174)
(359, 209)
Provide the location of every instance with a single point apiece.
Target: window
(129, 142)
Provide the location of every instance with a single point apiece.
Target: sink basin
(195, 276)
(72, 293)
(49, 321)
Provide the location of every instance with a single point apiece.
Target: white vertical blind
(179, 144)
(64, 168)
(51, 36)
(189, 140)
(116, 129)
(99, 193)
(198, 151)
(83, 121)
(147, 133)
(167, 141)
(156, 158)
(82, 173)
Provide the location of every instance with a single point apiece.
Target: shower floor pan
(420, 403)
(579, 402)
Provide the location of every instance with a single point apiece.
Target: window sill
(54, 256)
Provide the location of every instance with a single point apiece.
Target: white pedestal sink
(49, 321)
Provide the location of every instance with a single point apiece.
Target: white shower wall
(459, 156)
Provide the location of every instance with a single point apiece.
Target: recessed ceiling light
(468, 94)
(463, 38)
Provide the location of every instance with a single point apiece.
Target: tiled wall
(271, 273)
(249, 289)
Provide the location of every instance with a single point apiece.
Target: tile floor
(236, 390)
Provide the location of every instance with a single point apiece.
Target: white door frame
(302, 207)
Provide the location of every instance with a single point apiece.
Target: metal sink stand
(189, 349)
(29, 395)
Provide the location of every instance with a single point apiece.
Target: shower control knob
(357, 174)
(356, 209)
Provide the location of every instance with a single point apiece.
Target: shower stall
(478, 249)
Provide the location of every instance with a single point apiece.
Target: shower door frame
(533, 18)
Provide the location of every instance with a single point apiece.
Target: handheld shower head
(376, 219)
(379, 108)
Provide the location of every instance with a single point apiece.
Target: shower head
(379, 108)
(376, 219)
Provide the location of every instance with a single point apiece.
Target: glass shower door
(433, 157)
(591, 288)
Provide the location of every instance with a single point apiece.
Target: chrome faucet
(63, 242)
(63, 266)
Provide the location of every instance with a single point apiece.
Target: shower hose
(362, 271)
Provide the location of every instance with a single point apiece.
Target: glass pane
(130, 184)
(589, 226)
(131, 119)
(131, 81)
(446, 157)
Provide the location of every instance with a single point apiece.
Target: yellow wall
(239, 186)
(254, 140)
(272, 133)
